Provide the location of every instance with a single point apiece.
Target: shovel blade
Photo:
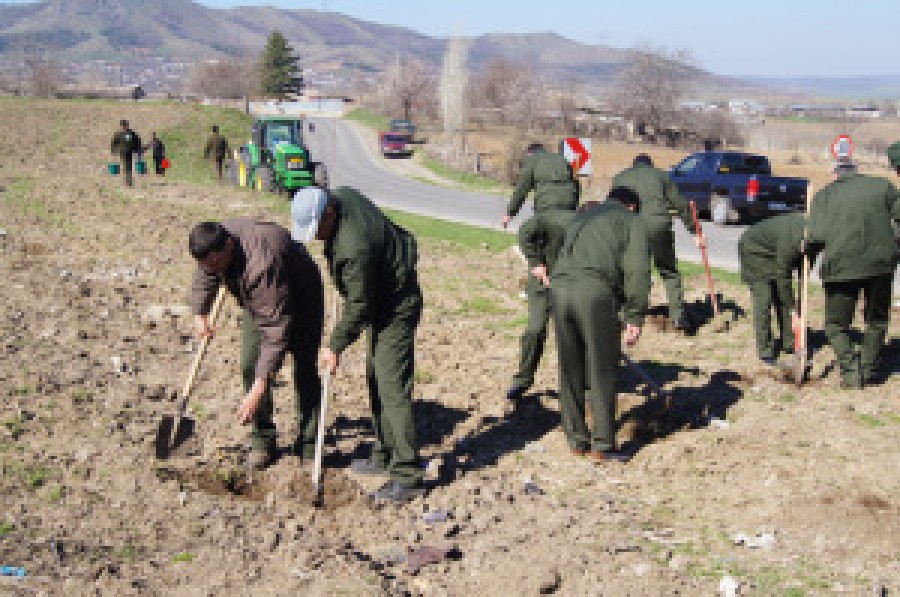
(171, 435)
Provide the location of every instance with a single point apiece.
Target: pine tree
(280, 73)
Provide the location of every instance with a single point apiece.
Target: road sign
(577, 151)
(842, 147)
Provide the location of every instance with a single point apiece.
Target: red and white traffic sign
(842, 147)
(577, 151)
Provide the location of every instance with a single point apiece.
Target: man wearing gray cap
(850, 222)
(373, 264)
(279, 286)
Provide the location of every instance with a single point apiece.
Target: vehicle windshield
(745, 164)
(281, 132)
(395, 138)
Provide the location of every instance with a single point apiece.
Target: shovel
(174, 431)
(800, 331)
(720, 324)
(318, 484)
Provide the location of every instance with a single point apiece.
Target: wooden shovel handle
(204, 344)
(710, 285)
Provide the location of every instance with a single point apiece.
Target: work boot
(365, 466)
(579, 452)
(602, 456)
(516, 391)
(684, 325)
(396, 492)
(261, 459)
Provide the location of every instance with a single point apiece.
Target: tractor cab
(277, 159)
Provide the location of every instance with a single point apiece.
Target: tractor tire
(320, 176)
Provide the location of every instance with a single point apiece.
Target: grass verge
(368, 118)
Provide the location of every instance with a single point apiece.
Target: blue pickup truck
(730, 186)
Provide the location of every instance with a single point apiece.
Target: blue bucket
(114, 168)
(140, 167)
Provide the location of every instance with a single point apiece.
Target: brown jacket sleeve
(203, 292)
(268, 301)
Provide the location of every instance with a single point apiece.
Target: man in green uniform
(540, 239)
(549, 176)
(659, 197)
(851, 220)
(279, 286)
(126, 143)
(769, 253)
(373, 264)
(603, 266)
(217, 147)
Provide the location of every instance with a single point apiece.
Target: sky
(760, 37)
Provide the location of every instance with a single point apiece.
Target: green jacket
(550, 177)
(372, 262)
(217, 146)
(125, 143)
(542, 236)
(770, 249)
(608, 244)
(851, 221)
(659, 195)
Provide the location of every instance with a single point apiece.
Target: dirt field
(745, 480)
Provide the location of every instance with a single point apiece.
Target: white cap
(307, 208)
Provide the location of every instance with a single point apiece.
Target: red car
(395, 145)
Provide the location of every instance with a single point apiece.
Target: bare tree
(454, 86)
(226, 79)
(44, 75)
(407, 89)
(507, 91)
(652, 85)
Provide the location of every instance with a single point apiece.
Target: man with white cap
(850, 222)
(279, 286)
(373, 264)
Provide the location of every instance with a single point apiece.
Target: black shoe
(685, 326)
(769, 361)
(365, 466)
(394, 491)
(516, 392)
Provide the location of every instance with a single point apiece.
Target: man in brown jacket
(279, 287)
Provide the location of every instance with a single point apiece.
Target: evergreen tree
(280, 73)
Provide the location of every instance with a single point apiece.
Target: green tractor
(276, 159)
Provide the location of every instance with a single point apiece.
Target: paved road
(350, 162)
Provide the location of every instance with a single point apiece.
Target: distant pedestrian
(549, 176)
(158, 152)
(125, 144)
(603, 269)
(851, 221)
(659, 197)
(217, 148)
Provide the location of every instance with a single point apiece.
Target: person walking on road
(659, 198)
(125, 144)
(549, 176)
(540, 239)
(851, 221)
(280, 289)
(770, 252)
(603, 267)
(373, 264)
(217, 147)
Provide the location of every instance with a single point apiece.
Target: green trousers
(588, 336)
(306, 337)
(390, 364)
(840, 303)
(772, 294)
(127, 170)
(535, 335)
(662, 250)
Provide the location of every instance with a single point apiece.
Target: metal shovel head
(171, 435)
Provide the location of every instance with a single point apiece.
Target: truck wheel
(722, 211)
(320, 176)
